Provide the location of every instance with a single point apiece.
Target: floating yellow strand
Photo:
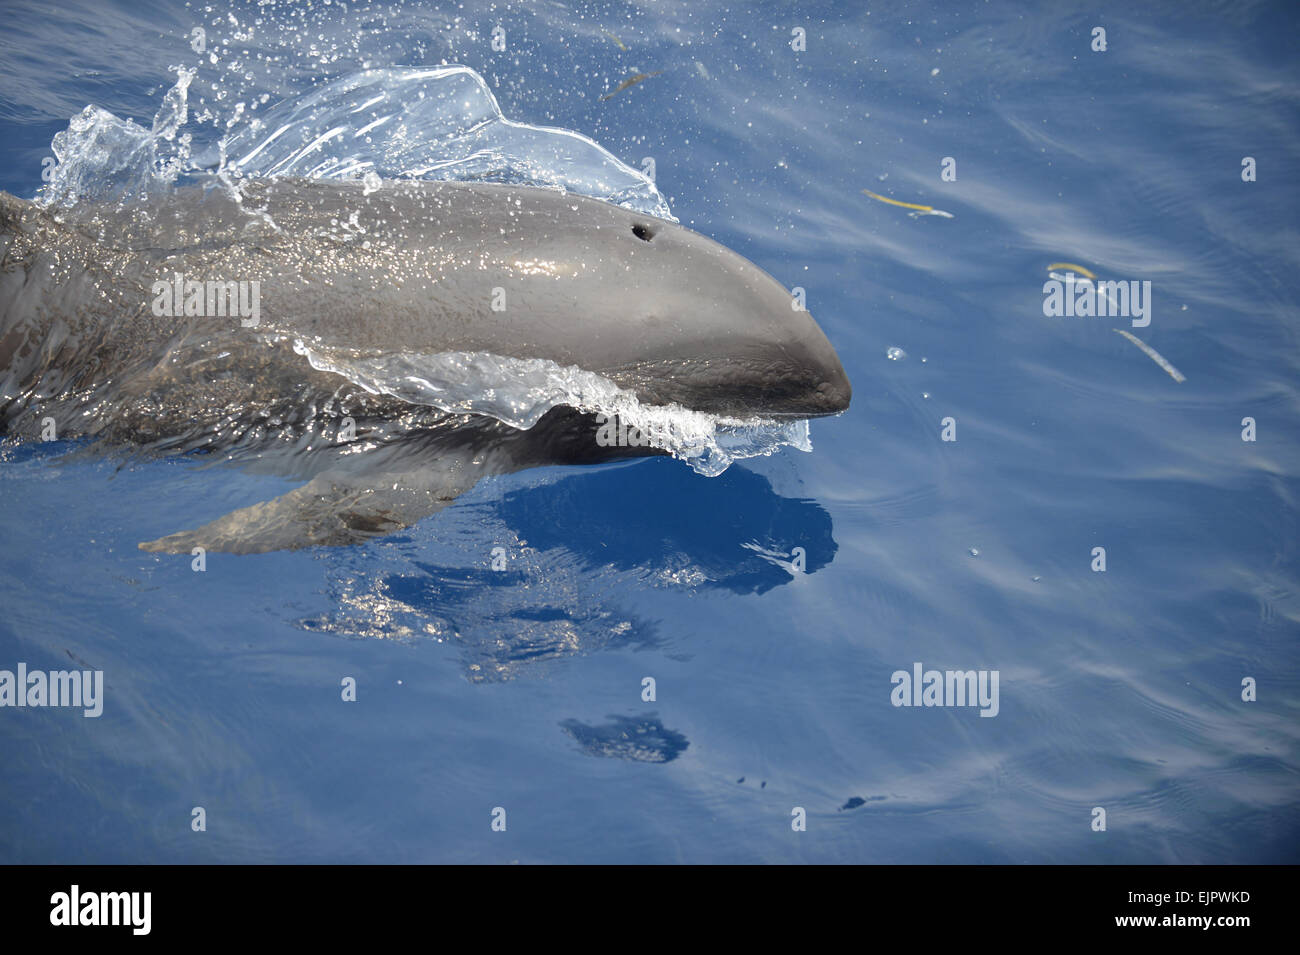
(895, 202)
(920, 209)
(1071, 267)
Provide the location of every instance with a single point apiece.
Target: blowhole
(643, 232)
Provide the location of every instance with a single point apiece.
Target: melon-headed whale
(110, 329)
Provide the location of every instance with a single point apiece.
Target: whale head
(706, 328)
(665, 312)
(660, 310)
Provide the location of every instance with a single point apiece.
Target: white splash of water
(442, 123)
(102, 157)
(396, 123)
(519, 391)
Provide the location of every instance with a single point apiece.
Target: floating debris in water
(615, 39)
(1154, 355)
(1084, 278)
(895, 354)
(974, 551)
(700, 68)
(630, 81)
(1071, 267)
(919, 210)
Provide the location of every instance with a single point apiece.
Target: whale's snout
(832, 393)
(816, 383)
(755, 378)
(728, 338)
(745, 375)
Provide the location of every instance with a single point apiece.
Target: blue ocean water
(1119, 690)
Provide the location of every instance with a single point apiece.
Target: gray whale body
(411, 269)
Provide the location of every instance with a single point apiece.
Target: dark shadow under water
(571, 551)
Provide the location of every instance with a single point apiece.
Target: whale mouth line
(747, 387)
(520, 391)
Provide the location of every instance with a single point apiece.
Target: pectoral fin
(331, 510)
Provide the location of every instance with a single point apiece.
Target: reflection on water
(569, 551)
(643, 739)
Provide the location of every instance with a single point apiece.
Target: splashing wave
(519, 391)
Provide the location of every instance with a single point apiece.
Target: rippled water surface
(521, 688)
